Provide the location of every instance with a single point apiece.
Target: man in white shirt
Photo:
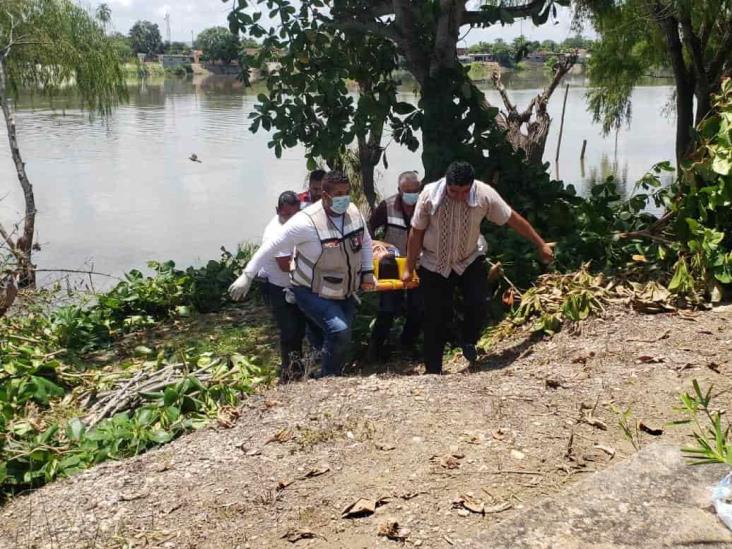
(445, 240)
(276, 271)
(333, 259)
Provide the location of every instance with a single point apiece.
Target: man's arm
(524, 228)
(414, 249)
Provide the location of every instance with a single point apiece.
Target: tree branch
(498, 84)
(487, 16)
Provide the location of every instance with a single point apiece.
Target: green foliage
(45, 386)
(52, 44)
(219, 44)
(712, 443)
(177, 48)
(145, 38)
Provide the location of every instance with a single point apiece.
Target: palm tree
(104, 15)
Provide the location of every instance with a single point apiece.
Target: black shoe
(470, 352)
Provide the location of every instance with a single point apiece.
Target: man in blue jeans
(332, 260)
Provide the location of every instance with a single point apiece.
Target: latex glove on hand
(240, 288)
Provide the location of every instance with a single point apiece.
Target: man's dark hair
(287, 198)
(331, 179)
(460, 173)
(316, 175)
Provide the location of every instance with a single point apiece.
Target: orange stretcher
(391, 284)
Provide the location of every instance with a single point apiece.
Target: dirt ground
(537, 416)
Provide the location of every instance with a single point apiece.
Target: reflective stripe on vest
(396, 226)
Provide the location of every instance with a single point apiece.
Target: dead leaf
(363, 507)
(448, 461)
(227, 416)
(469, 503)
(271, 403)
(470, 438)
(386, 447)
(648, 359)
(283, 435)
(607, 449)
(316, 472)
(649, 430)
(391, 530)
(253, 452)
(294, 535)
(639, 258)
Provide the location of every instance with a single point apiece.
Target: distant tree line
(509, 54)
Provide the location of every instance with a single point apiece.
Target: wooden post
(561, 125)
(584, 148)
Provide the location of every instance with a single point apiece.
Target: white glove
(240, 288)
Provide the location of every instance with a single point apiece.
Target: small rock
(516, 454)
(463, 512)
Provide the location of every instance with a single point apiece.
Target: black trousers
(438, 293)
(391, 305)
(292, 324)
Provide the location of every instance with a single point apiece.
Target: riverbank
(537, 416)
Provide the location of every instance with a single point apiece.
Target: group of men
(318, 251)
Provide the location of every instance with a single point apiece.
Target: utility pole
(167, 25)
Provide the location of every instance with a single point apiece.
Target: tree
(121, 44)
(528, 130)
(104, 15)
(549, 45)
(694, 39)
(46, 45)
(219, 44)
(177, 48)
(145, 38)
(454, 118)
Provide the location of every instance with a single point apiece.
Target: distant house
(173, 61)
(538, 56)
(461, 51)
(482, 57)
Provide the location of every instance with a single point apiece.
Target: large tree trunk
(23, 247)
(685, 85)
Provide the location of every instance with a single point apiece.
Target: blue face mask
(339, 204)
(410, 199)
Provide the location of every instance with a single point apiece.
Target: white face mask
(339, 204)
(410, 199)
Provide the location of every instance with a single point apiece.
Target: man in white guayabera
(445, 240)
(332, 260)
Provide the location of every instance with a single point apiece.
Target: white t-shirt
(300, 232)
(270, 269)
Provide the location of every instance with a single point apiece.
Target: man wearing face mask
(332, 260)
(394, 216)
(444, 238)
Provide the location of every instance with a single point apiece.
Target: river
(116, 193)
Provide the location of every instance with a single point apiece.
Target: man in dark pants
(445, 239)
(394, 216)
(276, 271)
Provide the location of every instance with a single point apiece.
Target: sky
(192, 16)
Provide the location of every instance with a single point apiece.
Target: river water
(116, 193)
